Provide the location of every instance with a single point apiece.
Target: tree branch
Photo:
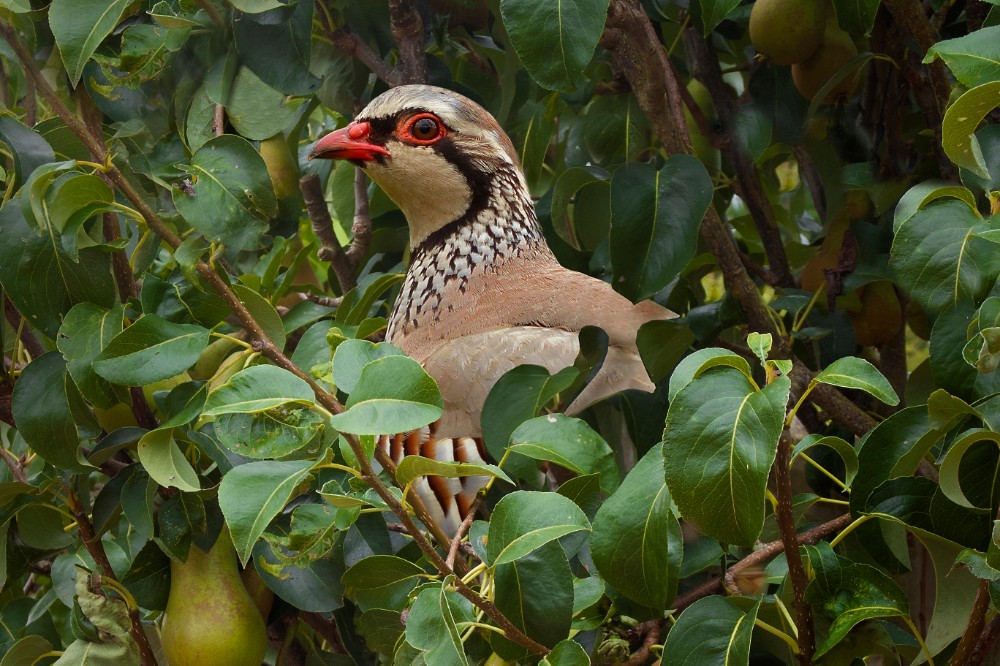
(351, 45)
(408, 29)
(975, 627)
(322, 225)
(261, 342)
(361, 228)
(796, 571)
(95, 547)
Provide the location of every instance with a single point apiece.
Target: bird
(483, 292)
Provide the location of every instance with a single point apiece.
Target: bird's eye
(424, 129)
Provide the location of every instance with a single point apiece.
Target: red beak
(348, 143)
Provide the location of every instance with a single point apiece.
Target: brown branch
(353, 46)
(219, 120)
(322, 225)
(408, 29)
(262, 343)
(796, 571)
(650, 631)
(28, 339)
(122, 270)
(758, 558)
(456, 541)
(4, 86)
(95, 547)
(984, 646)
(705, 67)
(975, 627)
(325, 628)
(30, 104)
(16, 467)
(361, 227)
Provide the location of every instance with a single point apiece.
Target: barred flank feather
(447, 500)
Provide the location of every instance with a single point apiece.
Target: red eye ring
(418, 131)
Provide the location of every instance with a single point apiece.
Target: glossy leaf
(701, 361)
(940, 260)
(27, 149)
(523, 521)
(86, 331)
(164, 461)
(718, 445)
(713, 630)
(431, 626)
(960, 123)
(651, 239)
(856, 16)
(636, 543)
(392, 395)
(379, 571)
(230, 195)
(710, 13)
(566, 653)
(351, 356)
(258, 389)
(973, 59)
(846, 452)
(411, 467)
(41, 409)
(150, 350)
(251, 495)
(555, 39)
(923, 194)
(80, 26)
(856, 373)
(569, 443)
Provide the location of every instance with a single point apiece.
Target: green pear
(837, 50)
(787, 31)
(211, 620)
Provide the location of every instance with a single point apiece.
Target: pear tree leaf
(258, 389)
(713, 630)
(718, 445)
(412, 467)
(164, 461)
(923, 194)
(525, 520)
(842, 448)
(974, 59)
(569, 443)
(431, 625)
(375, 571)
(392, 395)
(251, 495)
(150, 350)
(80, 26)
(701, 361)
(636, 543)
(856, 373)
(85, 332)
(958, 131)
(351, 356)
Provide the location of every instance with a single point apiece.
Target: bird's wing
(466, 369)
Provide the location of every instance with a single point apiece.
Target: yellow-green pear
(211, 620)
(837, 50)
(787, 31)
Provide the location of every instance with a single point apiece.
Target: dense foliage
(192, 356)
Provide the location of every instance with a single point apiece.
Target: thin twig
(16, 468)
(650, 631)
(984, 646)
(212, 12)
(219, 120)
(263, 344)
(351, 45)
(322, 225)
(462, 529)
(95, 546)
(361, 227)
(28, 338)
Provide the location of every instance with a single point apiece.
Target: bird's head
(434, 152)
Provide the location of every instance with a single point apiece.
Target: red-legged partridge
(484, 292)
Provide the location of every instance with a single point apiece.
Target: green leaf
(164, 461)
(257, 389)
(555, 39)
(636, 543)
(412, 467)
(973, 59)
(662, 344)
(718, 445)
(655, 217)
(27, 148)
(86, 330)
(535, 592)
(517, 397)
(393, 395)
(257, 6)
(937, 255)
(255, 109)
(524, 520)
(378, 571)
(284, 63)
(274, 433)
(42, 279)
(27, 651)
(760, 345)
(701, 361)
(856, 373)
(710, 13)
(566, 653)
(351, 356)
(860, 592)
(263, 312)
(856, 16)
(921, 195)
(950, 480)
(566, 187)
(431, 628)
(569, 443)
(252, 494)
(231, 195)
(41, 408)
(944, 409)
(713, 630)
(150, 350)
(958, 131)
(839, 446)
(80, 26)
